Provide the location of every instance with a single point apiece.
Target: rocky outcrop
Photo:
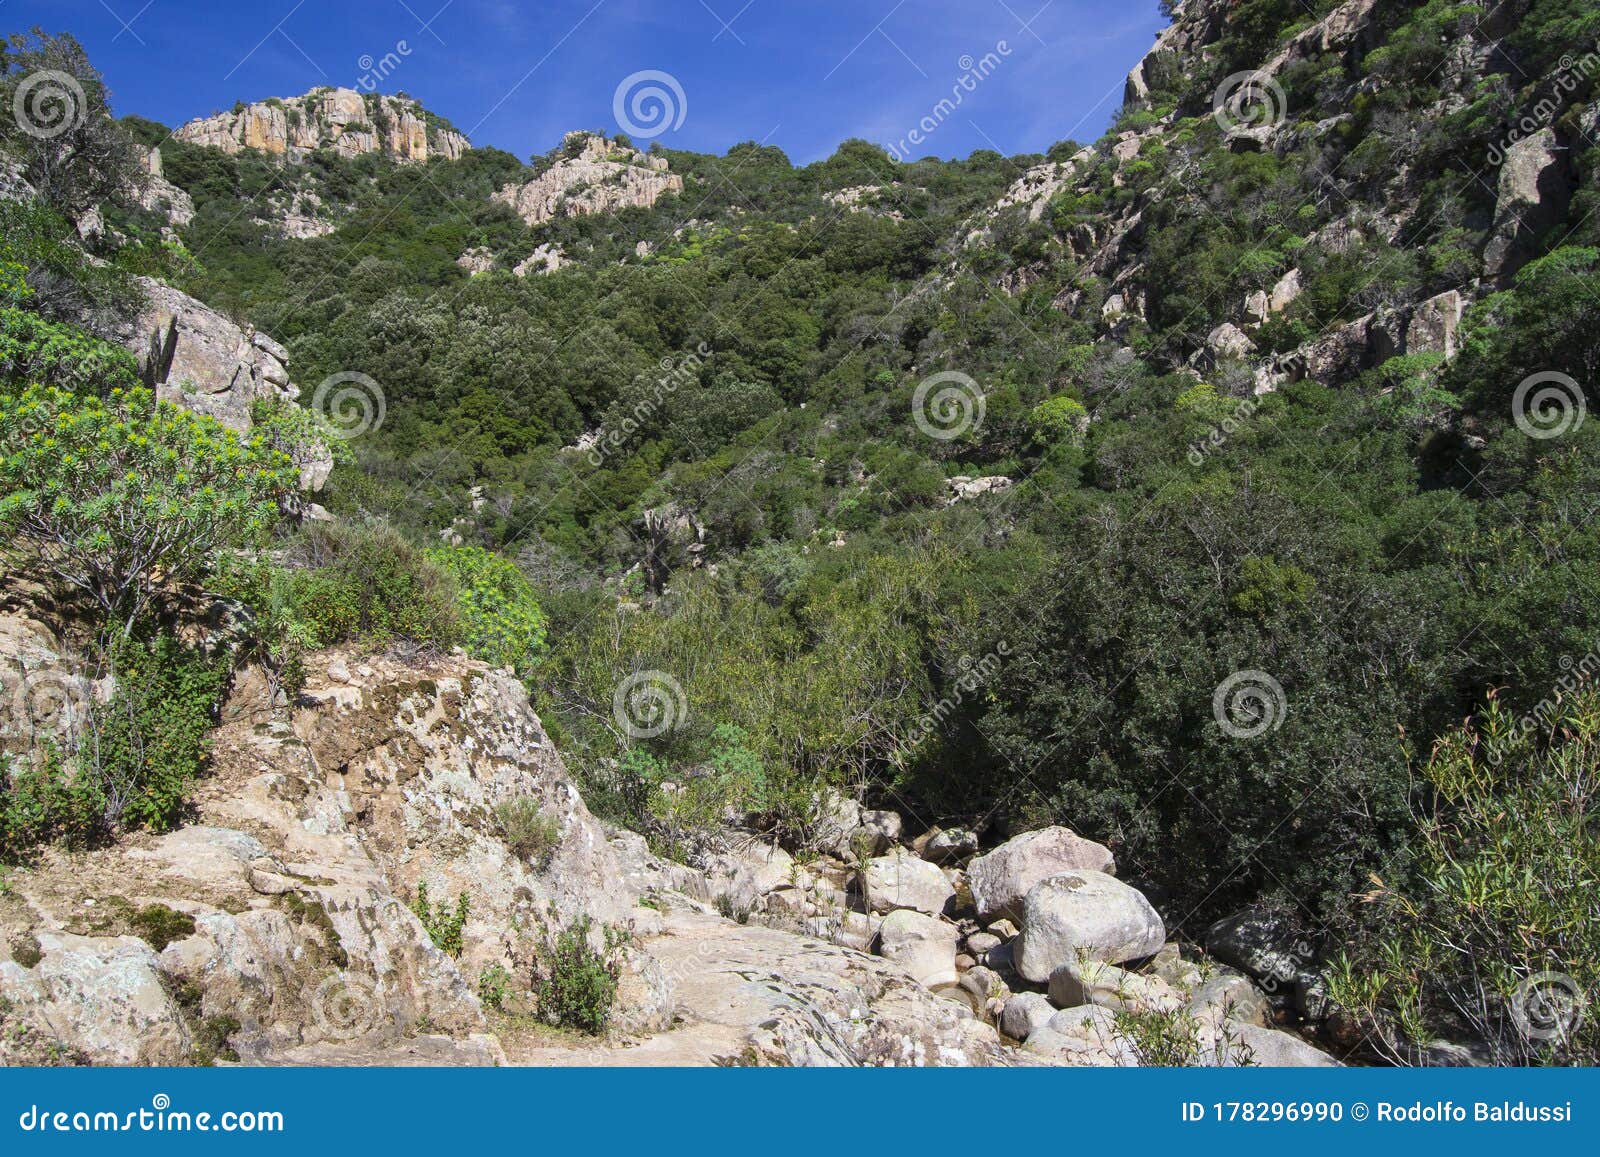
(591, 175)
(1534, 192)
(215, 367)
(350, 123)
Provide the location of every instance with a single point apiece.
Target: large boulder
(1266, 944)
(902, 880)
(1533, 194)
(1000, 879)
(1084, 915)
(922, 945)
(1024, 1013)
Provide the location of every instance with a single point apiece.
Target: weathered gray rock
(1080, 982)
(902, 880)
(1024, 1013)
(1434, 324)
(1533, 193)
(1000, 879)
(950, 845)
(594, 176)
(922, 945)
(1084, 914)
(1265, 944)
(1229, 996)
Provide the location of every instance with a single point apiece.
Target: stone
(1265, 944)
(1230, 996)
(902, 880)
(1001, 878)
(1532, 194)
(101, 997)
(1256, 307)
(950, 845)
(1270, 1049)
(923, 946)
(1083, 1037)
(1080, 982)
(1228, 343)
(1084, 914)
(979, 943)
(1025, 1012)
(1284, 292)
(1434, 324)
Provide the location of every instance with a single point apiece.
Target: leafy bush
(443, 923)
(364, 581)
(42, 801)
(501, 621)
(527, 830)
(121, 497)
(33, 349)
(1490, 932)
(577, 984)
(494, 985)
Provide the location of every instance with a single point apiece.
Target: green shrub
(443, 923)
(35, 350)
(1490, 935)
(366, 582)
(501, 621)
(123, 497)
(42, 801)
(141, 751)
(494, 985)
(578, 983)
(527, 830)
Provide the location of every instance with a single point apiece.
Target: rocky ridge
(350, 123)
(591, 175)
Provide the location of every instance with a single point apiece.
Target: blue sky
(800, 74)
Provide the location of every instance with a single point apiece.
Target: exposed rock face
(159, 195)
(593, 175)
(350, 123)
(218, 368)
(1084, 915)
(1001, 879)
(1534, 191)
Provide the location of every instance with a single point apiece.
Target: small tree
(121, 496)
(58, 123)
(1495, 936)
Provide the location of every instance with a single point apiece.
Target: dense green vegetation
(772, 541)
